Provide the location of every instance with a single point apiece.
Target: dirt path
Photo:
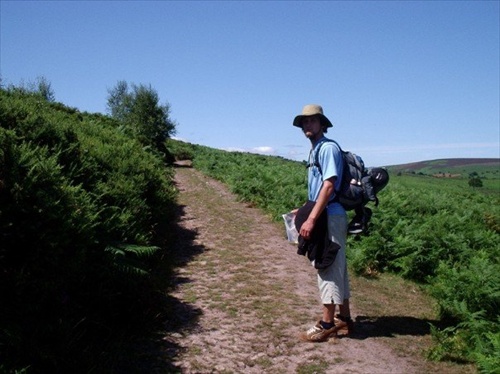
(244, 295)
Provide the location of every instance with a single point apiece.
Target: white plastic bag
(291, 232)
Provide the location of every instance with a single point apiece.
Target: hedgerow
(83, 217)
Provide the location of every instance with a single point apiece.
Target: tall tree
(138, 108)
(118, 101)
(44, 89)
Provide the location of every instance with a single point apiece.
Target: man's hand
(306, 228)
(324, 196)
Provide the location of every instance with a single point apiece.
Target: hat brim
(325, 122)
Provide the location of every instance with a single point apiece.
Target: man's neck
(316, 139)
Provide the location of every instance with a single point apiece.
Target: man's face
(311, 126)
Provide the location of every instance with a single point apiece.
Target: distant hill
(452, 167)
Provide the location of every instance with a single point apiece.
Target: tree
(118, 101)
(44, 89)
(40, 87)
(475, 180)
(138, 108)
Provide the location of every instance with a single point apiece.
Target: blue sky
(402, 81)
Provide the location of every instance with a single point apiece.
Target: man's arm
(324, 197)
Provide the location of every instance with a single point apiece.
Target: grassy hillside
(441, 233)
(85, 212)
(486, 168)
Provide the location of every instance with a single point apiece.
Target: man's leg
(328, 313)
(344, 309)
(341, 324)
(344, 325)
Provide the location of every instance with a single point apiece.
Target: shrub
(83, 211)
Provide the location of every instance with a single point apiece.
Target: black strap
(315, 151)
(316, 163)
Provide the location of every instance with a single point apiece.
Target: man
(333, 281)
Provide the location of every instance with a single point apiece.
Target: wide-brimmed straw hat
(312, 110)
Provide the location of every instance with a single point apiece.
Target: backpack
(358, 185)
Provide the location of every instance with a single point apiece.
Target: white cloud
(235, 149)
(263, 150)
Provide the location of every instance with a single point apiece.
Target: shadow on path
(390, 326)
(156, 351)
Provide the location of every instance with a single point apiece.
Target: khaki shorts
(333, 282)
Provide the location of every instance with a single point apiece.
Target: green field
(485, 168)
(438, 232)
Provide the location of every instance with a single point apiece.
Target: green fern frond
(128, 258)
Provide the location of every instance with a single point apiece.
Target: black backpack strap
(317, 164)
(315, 150)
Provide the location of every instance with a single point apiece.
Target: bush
(83, 212)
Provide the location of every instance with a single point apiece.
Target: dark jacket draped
(318, 248)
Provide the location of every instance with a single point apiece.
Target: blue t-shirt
(330, 160)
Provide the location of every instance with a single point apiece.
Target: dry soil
(242, 296)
